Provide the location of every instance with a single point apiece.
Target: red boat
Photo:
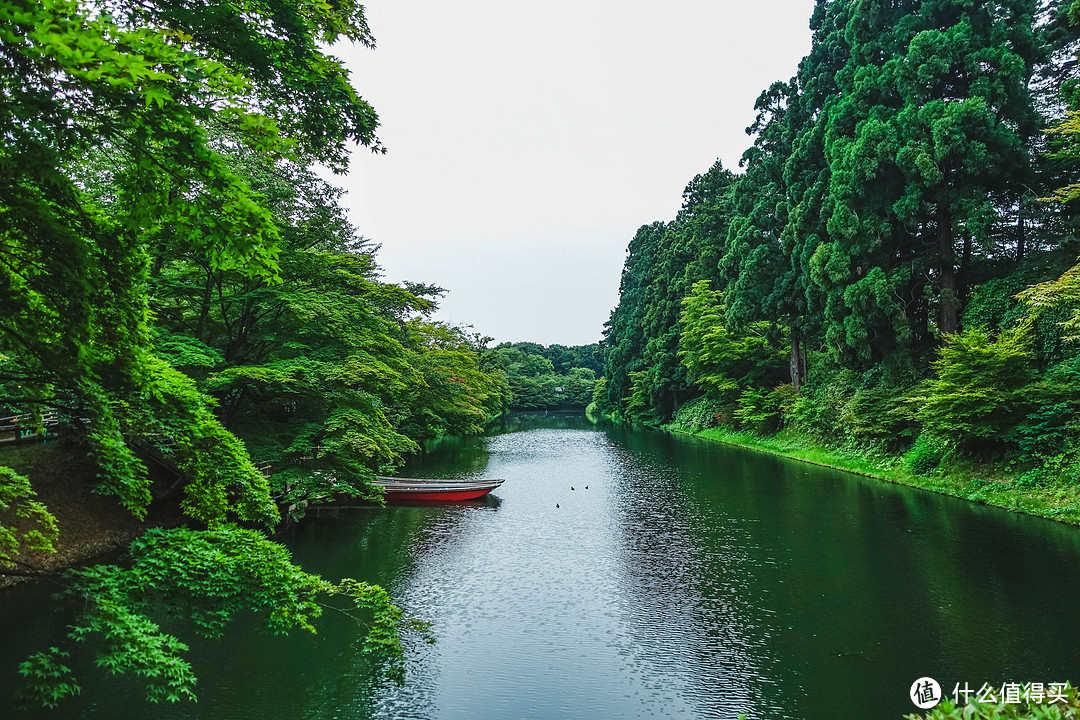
(409, 489)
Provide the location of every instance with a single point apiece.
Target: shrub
(698, 414)
(811, 413)
(818, 408)
(981, 389)
(879, 411)
(925, 455)
(759, 411)
(1044, 431)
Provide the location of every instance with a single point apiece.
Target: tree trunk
(949, 306)
(204, 305)
(916, 310)
(796, 361)
(802, 362)
(1021, 238)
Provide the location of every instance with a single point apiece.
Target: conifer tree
(761, 281)
(928, 131)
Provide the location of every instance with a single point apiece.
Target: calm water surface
(622, 574)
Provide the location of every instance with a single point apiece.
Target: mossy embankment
(91, 524)
(985, 483)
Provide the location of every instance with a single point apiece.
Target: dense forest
(183, 303)
(552, 377)
(893, 269)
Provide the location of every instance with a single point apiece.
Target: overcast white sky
(527, 142)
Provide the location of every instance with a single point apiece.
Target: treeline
(884, 272)
(552, 377)
(184, 296)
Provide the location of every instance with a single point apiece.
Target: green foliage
(980, 391)
(646, 380)
(46, 682)
(699, 414)
(1045, 430)
(759, 411)
(1048, 437)
(917, 150)
(562, 358)
(26, 525)
(175, 419)
(718, 360)
(879, 410)
(995, 304)
(130, 642)
(537, 383)
(882, 182)
(600, 393)
(762, 283)
(925, 454)
(624, 334)
(888, 215)
(123, 146)
(816, 412)
(205, 578)
(331, 375)
(463, 387)
(1067, 148)
(143, 83)
(184, 352)
(844, 408)
(1052, 295)
(580, 386)
(157, 218)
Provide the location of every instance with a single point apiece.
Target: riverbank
(986, 484)
(981, 483)
(91, 524)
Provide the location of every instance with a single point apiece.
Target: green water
(690, 580)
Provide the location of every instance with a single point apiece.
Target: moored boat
(409, 489)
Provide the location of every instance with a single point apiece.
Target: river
(633, 574)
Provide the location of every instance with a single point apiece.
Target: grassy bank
(983, 483)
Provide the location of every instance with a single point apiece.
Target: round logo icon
(925, 693)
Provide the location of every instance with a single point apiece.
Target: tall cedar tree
(757, 268)
(925, 146)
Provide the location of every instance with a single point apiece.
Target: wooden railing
(265, 466)
(28, 425)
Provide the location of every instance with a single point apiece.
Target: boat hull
(414, 489)
(409, 496)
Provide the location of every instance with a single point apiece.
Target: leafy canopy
(123, 125)
(206, 578)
